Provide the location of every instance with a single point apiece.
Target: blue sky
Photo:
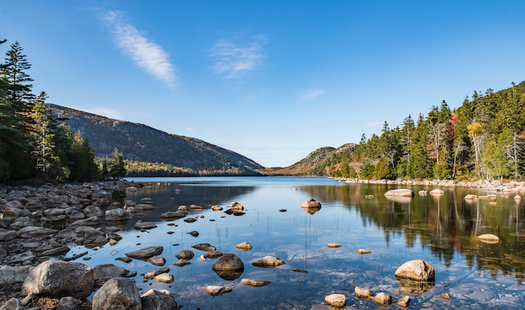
(272, 80)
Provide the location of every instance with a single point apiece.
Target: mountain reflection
(447, 224)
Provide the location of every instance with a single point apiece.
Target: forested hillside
(484, 138)
(153, 152)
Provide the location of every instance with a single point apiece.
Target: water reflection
(442, 230)
(447, 224)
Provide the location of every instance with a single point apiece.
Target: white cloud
(145, 53)
(236, 59)
(311, 94)
(374, 124)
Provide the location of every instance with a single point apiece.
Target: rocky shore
(488, 185)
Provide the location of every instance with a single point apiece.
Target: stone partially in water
(164, 278)
(437, 192)
(158, 300)
(382, 299)
(363, 251)
(117, 294)
(185, 254)
(206, 247)
(400, 193)
(403, 301)
(255, 283)
(268, 262)
(362, 293)
(336, 300)
(244, 246)
(145, 253)
(416, 270)
(333, 245)
(214, 290)
(489, 238)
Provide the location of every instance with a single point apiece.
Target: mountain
(315, 162)
(142, 143)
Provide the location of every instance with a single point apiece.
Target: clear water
(440, 230)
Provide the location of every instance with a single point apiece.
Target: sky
(271, 80)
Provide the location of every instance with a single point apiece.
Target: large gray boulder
(60, 279)
(117, 294)
(12, 304)
(117, 215)
(146, 252)
(416, 270)
(158, 300)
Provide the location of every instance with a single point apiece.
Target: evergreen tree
(117, 169)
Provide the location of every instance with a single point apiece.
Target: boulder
(311, 203)
(117, 294)
(185, 254)
(214, 290)
(437, 192)
(10, 276)
(182, 209)
(416, 270)
(362, 293)
(216, 208)
(268, 262)
(382, 299)
(60, 279)
(206, 247)
(214, 254)
(244, 246)
(117, 215)
(236, 206)
(109, 271)
(489, 238)
(172, 215)
(182, 262)
(158, 300)
(12, 304)
(69, 303)
(152, 274)
(92, 210)
(336, 300)
(254, 283)
(157, 260)
(145, 253)
(228, 262)
(400, 193)
(403, 301)
(144, 225)
(164, 277)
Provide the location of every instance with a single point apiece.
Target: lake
(441, 230)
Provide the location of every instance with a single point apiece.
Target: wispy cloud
(145, 53)
(311, 94)
(374, 124)
(235, 59)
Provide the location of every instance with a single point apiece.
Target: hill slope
(315, 162)
(143, 143)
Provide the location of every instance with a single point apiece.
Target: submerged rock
(206, 247)
(382, 299)
(185, 254)
(403, 301)
(214, 290)
(437, 192)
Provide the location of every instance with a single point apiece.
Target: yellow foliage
(474, 129)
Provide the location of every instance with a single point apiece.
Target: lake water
(440, 230)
